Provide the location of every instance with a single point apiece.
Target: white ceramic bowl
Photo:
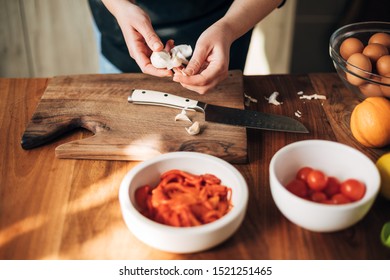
(334, 159)
(189, 239)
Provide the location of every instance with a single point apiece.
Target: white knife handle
(151, 97)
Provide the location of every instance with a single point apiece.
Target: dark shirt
(180, 20)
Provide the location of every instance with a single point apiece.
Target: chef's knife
(219, 114)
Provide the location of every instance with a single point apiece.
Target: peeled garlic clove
(160, 59)
(193, 129)
(174, 62)
(179, 56)
(185, 50)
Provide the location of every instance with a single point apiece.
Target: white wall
(271, 44)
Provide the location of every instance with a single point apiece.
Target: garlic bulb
(176, 57)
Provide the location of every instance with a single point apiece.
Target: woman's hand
(210, 61)
(140, 37)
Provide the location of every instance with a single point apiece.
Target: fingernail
(189, 72)
(157, 45)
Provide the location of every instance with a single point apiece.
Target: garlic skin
(193, 129)
(182, 116)
(272, 99)
(175, 58)
(298, 114)
(313, 96)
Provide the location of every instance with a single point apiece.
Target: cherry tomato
(318, 197)
(298, 187)
(353, 189)
(303, 172)
(317, 180)
(332, 187)
(339, 198)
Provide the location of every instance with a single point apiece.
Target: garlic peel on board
(194, 128)
(182, 116)
(272, 99)
(176, 57)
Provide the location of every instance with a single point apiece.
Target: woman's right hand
(139, 35)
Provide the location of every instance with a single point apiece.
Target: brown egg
(380, 38)
(374, 51)
(350, 46)
(371, 89)
(386, 89)
(356, 63)
(383, 65)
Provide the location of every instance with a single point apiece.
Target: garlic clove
(185, 50)
(181, 58)
(160, 59)
(194, 128)
(174, 62)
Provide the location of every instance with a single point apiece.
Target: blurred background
(44, 38)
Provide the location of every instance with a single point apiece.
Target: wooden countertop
(68, 209)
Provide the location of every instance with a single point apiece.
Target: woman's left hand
(209, 63)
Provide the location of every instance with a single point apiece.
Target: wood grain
(54, 208)
(124, 131)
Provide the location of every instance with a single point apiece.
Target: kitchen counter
(54, 208)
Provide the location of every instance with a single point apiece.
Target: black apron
(180, 20)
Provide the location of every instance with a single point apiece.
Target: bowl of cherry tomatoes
(323, 186)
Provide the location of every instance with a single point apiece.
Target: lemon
(383, 165)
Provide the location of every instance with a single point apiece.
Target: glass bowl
(359, 81)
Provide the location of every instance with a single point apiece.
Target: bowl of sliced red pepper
(323, 186)
(183, 202)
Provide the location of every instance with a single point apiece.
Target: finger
(143, 61)
(206, 76)
(153, 41)
(151, 70)
(141, 54)
(197, 60)
(198, 89)
(150, 36)
(202, 82)
(169, 45)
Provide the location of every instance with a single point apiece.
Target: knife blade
(219, 114)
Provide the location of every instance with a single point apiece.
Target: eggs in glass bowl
(361, 55)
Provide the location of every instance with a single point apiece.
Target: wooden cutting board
(125, 131)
